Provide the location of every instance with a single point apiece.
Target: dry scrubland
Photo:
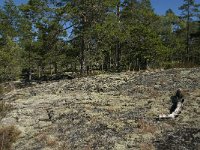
(108, 111)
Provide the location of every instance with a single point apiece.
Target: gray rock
(108, 111)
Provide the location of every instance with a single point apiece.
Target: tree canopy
(44, 38)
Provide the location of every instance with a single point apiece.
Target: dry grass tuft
(8, 135)
(154, 94)
(6, 88)
(4, 109)
(146, 146)
(51, 142)
(146, 127)
(46, 140)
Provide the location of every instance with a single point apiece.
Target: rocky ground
(108, 111)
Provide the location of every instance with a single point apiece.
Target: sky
(160, 6)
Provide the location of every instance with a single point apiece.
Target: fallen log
(177, 106)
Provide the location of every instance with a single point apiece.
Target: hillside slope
(109, 111)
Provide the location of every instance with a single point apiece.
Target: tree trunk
(29, 63)
(188, 33)
(117, 49)
(75, 67)
(82, 57)
(55, 68)
(137, 64)
(51, 69)
(39, 72)
(174, 114)
(118, 56)
(82, 53)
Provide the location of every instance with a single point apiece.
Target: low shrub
(8, 135)
(1, 90)
(147, 146)
(4, 109)
(6, 87)
(146, 127)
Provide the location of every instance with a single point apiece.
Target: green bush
(169, 65)
(10, 57)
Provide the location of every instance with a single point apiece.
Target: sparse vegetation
(121, 116)
(146, 127)
(147, 146)
(46, 140)
(1, 90)
(6, 87)
(4, 109)
(8, 135)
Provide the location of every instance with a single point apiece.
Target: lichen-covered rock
(108, 111)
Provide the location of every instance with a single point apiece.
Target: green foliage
(190, 10)
(10, 60)
(83, 35)
(9, 19)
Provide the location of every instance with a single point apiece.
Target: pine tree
(10, 60)
(169, 27)
(42, 22)
(143, 44)
(188, 13)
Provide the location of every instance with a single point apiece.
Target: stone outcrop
(108, 111)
